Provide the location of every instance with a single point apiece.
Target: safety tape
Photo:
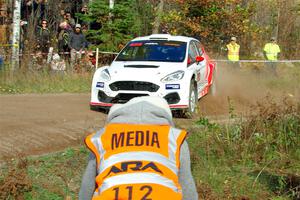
(66, 53)
(258, 61)
(114, 53)
(9, 45)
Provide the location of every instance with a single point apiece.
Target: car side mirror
(189, 61)
(199, 59)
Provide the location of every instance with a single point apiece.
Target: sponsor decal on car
(100, 85)
(136, 44)
(172, 86)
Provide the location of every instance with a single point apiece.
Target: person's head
(142, 110)
(84, 27)
(77, 28)
(165, 29)
(44, 23)
(22, 23)
(84, 8)
(68, 15)
(233, 39)
(273, 39)
(62, 12)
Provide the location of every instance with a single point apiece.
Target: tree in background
(129, 19)
(213, 21)
(253, 22)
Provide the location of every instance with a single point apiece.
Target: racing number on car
(145, 188)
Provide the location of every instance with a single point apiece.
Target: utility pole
(16, 35)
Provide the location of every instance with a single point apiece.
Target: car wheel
(193, 101)
(94, 108)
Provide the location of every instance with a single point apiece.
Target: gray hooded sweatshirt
(142, 110)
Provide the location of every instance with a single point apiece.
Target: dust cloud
(238, 89)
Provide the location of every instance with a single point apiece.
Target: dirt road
(35, 124)
(32, 124)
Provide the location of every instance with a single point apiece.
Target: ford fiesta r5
(173, 67)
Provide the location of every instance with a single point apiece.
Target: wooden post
(97, 57)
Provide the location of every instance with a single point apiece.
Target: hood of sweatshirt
(141, 110)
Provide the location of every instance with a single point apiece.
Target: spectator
(77, 43)
(84, 30)
(271, 52)
(139, 153)
(83, 12)
(61, 17)
(233, 49)
(22, 35)
(63, 38)
(1, 62)
(69, 18)
(43, 38)
(26, 7)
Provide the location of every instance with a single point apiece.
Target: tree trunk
(158, 17)
(111, 7)
(16, 35)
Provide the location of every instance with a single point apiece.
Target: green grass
(44, 82)
(248, 159)
(251, 158)
(54, 176)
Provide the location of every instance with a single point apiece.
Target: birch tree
(16, 35)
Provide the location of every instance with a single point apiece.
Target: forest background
(253, 22)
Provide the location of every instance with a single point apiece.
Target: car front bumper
(104, 95)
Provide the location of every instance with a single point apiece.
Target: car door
(197, 67)
(193, 66)
(203, 65)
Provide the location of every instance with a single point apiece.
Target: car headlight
(105, 75)
(175, 76)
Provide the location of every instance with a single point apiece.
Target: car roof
(165, 37)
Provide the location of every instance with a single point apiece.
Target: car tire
(94, 108)
(193, 101)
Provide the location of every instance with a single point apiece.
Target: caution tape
(258, 61)
(67, 53)
(9, 45)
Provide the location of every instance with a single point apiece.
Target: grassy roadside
(44, 82)
(257, 158)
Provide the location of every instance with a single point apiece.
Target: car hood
(140, 71)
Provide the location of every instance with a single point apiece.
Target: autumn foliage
(252, 22)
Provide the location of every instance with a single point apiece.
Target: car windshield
(149, 50)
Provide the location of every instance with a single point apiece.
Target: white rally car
(173, 67)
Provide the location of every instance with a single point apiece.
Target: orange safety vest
(233, 52)
(136, 162)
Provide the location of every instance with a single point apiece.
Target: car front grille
(124, 97)
(134, 86)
